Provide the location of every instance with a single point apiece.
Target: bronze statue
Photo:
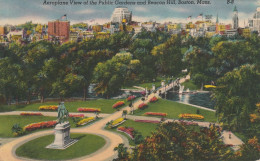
(63, 113)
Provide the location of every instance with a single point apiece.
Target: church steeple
(235, 18)
(235, 9)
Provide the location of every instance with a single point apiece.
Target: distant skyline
(19, 11)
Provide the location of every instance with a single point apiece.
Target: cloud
(180, 9)
(87, 11)
(21, 20)
(96, 21)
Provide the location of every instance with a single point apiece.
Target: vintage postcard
(130, 80)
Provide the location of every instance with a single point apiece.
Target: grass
(183, 50)
(190, 84)
(6, 123)
(86, 145)
(173, 109)
(144, 128)
(104, 104)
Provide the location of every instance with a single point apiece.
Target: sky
(20, 11)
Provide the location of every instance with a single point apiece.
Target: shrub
(17, 130)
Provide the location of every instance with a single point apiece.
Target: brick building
(59, 30)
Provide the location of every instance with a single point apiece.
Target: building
(254, 23)
(74, 36)
(121, 14)
(2, 30)
(235, 18)
(59, 30)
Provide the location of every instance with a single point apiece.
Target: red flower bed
(130, 98)
(154, 99)
(40, 125)
(156, 114)
(30, 114)
(81, 109)
(142, 106)
(143, 93)
(148, 121)
(77, 115)
(128, 131)
(118, 104)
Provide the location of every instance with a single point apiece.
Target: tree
(236, 95)
(121, 152)
(168, 57)
(110, 75)
(179, 141)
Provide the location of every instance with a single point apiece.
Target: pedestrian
(229, 134)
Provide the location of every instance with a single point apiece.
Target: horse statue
(63, 113)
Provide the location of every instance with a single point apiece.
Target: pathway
(7, 151)
(54, 114)
(234, 140)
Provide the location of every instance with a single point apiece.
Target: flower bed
(30, 114)
(191, 116)
(49, 107)
(128, 131)
(148, 121)
(117, 122)
(85, 121)
(39, 125)
(142, 106)
(154, 99)
(76, 115)
(118, 104)
(156, 114)
(130, 98)
(81, 109)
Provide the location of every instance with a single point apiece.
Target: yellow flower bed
(85, 121)
(117, 121)
(49, 107)
(209, 86)
(191, 116)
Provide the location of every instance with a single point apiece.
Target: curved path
(7, 151)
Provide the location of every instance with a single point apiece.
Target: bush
(17, 130)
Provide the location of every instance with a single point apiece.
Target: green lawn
(6, 123)
(104, 104)
(86, 145)
(190, 84)
(144, 128)
(173, 109)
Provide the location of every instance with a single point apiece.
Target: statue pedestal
(62, 137)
